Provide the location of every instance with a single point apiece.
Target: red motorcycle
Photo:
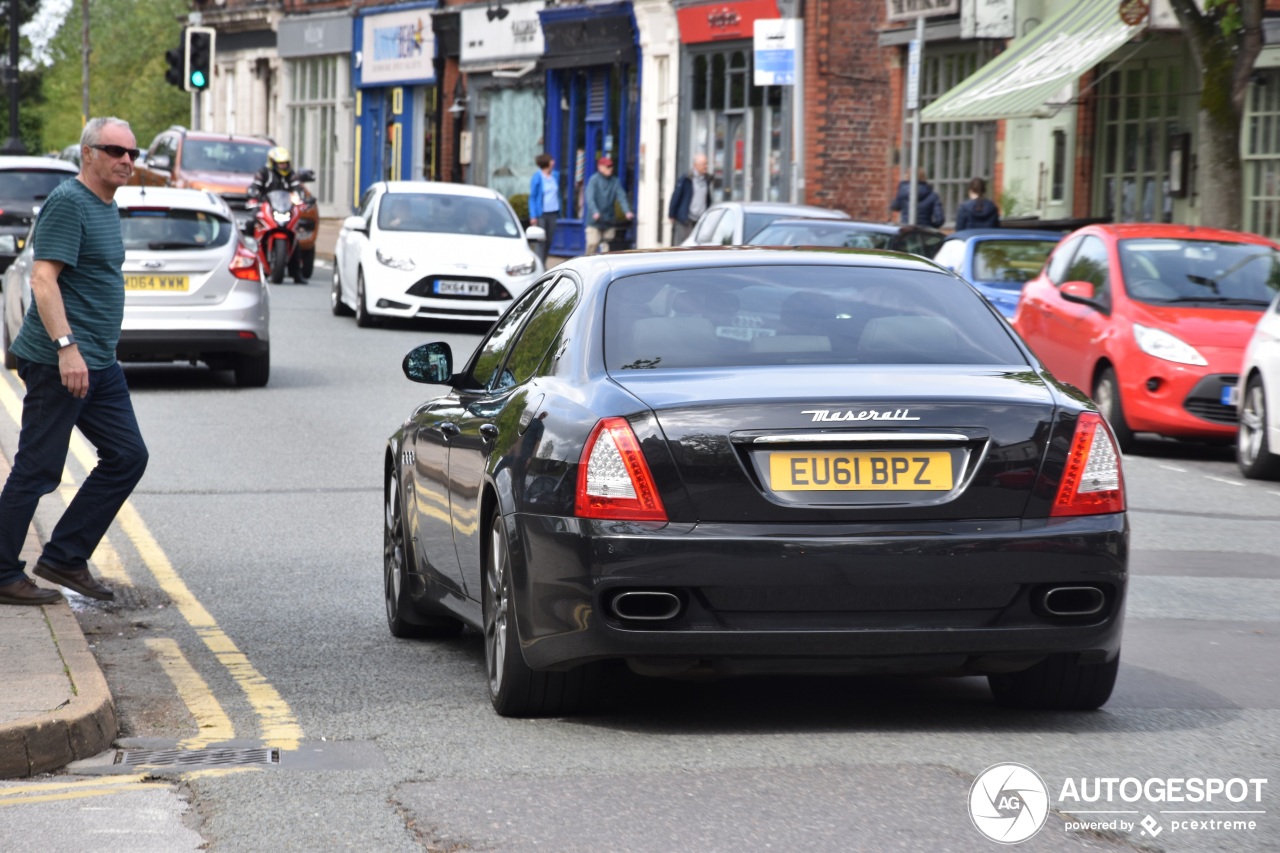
(275, 228)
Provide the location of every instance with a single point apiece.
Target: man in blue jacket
(690, 200)
(929, 212)
(604, 193)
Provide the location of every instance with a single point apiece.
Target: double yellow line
(278, 727)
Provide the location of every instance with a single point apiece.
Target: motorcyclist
(276, 175)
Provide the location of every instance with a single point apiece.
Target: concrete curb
(83, 727)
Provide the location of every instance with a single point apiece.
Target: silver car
(733, 223)
(193, 290)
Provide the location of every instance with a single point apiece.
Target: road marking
(1272, 492)
(1223, 480)
(81, 794)
(57, 786)
(1173, 468)
(279, 727)
(211, 720)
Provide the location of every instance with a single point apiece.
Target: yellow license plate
(862, 470)
(166, 283)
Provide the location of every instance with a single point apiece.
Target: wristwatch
(64, 341)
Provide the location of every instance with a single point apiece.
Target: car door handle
(488, 432)
(449, 429)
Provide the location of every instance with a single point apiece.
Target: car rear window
(817, 234)
(742, 316)
(166, 229)
(1010, 260)
(446, 214)
(30, 184)
(220, 155)
(1164, 271)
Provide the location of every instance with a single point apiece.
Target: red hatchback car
(1152, 321)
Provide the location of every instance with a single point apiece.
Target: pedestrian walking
(544, 201)
(690, 200)
(979, 211)
(604, 195)
(929, 212)
(66, 355)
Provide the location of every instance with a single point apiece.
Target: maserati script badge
(826, 415)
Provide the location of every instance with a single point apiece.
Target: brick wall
(850, 108)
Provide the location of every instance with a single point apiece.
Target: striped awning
(1024, 80)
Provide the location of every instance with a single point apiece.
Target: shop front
(318, 103)
(500, 52)
(395, 78)
(592, 107)
(744, 130)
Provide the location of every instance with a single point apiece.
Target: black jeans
(548, 222)
(49, 413)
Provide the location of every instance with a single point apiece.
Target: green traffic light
(197, 79)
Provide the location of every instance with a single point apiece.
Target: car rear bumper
(918, 597)
(171, 345)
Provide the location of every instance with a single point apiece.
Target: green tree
(128, 39)
(1225, 39)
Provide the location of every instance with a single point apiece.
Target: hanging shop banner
(719, 21)
(396, 47)
(775, 45)
(487, 36)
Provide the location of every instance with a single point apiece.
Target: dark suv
(223, 163)
(25, 182)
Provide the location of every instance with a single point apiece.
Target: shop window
(951, 153)
(1262, 155)
(312, 111)
(1139, 112)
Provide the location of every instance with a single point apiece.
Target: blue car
(997, 261)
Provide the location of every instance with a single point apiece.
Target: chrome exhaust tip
(646, 605)
(1073, 601)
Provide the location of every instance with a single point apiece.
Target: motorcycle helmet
(278, 160)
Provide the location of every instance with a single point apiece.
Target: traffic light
(176, 58)
(199, 64)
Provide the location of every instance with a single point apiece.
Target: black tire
(1057, 683)
(403, 620)
(1106, 393)
(514, 689)
(253, 371)
(336, 305)
(308, 263)
(1253, 450)
(295, 269)
(279, 259)
(364, 319)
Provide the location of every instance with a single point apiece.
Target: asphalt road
(265, 506)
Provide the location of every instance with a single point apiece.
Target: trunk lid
(800, 443)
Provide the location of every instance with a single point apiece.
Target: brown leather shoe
(24, 591)
(78, 579)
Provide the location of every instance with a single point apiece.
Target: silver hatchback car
(193, 290)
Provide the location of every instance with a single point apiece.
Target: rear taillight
(613, 478)
(245, 265)
(1092, 483)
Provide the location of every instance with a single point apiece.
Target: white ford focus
(424, 249)
(1258, 400)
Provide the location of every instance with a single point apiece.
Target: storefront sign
(396, 47)
(719, 21)
(314, 35)
(516, 35)
(776, 42)
(909, 10)
(1134, 12)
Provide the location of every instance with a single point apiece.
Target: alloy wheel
(495, 609)
(1252, 423)
(392, 553)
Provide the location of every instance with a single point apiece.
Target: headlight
(282, 216)
(526, 268)
(1161, 344)
(394, 262)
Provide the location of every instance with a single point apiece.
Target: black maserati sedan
(737, 461)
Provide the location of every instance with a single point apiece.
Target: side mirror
(161, 162)
(535, 234)
(355, 223)
(306, 176)
(431, 364)
(1081, 293)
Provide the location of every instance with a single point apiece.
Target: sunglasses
(118, 151)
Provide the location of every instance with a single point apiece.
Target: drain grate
(196, 757)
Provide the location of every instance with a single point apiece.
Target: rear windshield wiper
(158, 245)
